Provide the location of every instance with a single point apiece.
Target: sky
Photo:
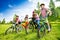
(20, 7)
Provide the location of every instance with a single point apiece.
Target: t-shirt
(17, 20)
(43, 12)
(37, 17)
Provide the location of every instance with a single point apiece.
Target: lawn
(53, 35)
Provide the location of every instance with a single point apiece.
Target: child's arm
(30, 18)
(49, 12)
(39, 13)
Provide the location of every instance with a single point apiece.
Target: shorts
(45, 19)
(33, 21)
(25, 25)
(19, 22)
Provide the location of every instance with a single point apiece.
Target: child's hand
(16, 22)
(50, 13)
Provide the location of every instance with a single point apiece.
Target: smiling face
(42, 6)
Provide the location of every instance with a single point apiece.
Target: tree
(38, 8)
(3, 21)
(10, 22)
(52, 8)
(58, 11)
(14, 18)
(0, 22)
(57, 0)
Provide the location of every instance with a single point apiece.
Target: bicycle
(43, 28)
(13, 28)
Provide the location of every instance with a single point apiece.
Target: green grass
(53, 35)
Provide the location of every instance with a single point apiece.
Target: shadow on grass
(58, 38)
(2, 34)
(25, 37)
(19, 36)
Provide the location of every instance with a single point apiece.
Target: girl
(37, 21)
(25, 25)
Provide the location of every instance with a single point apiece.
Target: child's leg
(26, 29)
(48, 24)
(13, 27)
(33, 24)
(38, 28)
(16, 28)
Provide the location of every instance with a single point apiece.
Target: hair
(26, 16)
(17, 16)
(42, 4)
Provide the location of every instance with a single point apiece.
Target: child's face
(35, 14)
(42, 6)
(26, 15)
(17, 17)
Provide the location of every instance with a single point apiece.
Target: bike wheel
(8, 30)
(47, 26)
(42, 30)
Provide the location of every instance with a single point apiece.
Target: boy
(44, 14)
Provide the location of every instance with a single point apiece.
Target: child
(44, 14)
(17, 22)
(26, 21)
(32, 22)
(26, 24)
(33, 18)
(37, 21)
